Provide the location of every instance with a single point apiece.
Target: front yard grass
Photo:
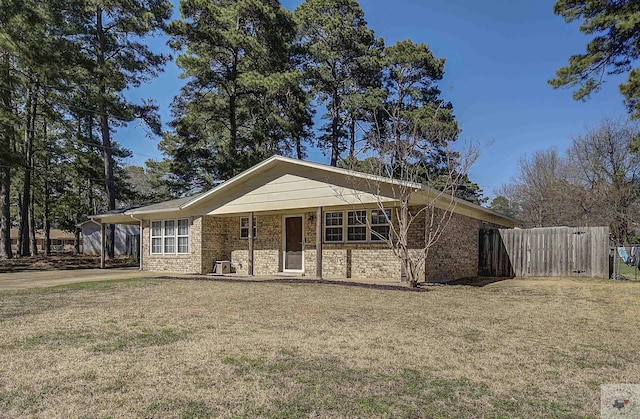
(182, 348)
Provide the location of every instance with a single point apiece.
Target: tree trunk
(408, 270)
(46, 223)
(335, 127)
(29, 134)
(105, 132)
(352, 140)
(298, 149)
(233, 118)
(33, 241)
(5, 222)
(6, 136)
(76, 241)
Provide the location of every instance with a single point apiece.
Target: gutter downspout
(141, 236)
(101, 241)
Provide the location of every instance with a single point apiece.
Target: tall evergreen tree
(413, 110)
(613, 49)
(342, 69)
(242, 101)
(117, 57)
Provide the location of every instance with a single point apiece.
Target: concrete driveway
(32, 279)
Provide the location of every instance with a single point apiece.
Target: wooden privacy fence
(552, 251)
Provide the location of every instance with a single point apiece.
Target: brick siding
(455, 255)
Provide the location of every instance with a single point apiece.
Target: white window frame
(255, 228)
(326, 227)
(163, 236)
(361, 225)
(372, 237)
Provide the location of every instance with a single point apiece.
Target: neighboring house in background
(304, 222)
(91, 237)
(61, 241)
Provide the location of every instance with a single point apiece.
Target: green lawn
(181, 348)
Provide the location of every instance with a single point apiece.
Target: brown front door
(293, 243)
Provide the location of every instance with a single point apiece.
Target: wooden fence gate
(552, 251)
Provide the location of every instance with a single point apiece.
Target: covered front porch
(292, 242)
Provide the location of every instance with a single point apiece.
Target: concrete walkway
(33, 279)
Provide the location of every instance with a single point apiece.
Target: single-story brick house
(306, 219)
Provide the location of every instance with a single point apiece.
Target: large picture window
(170, 237)
(244, 228)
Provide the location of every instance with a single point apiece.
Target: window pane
(156, 228)
(169, 245)
(333, 218)
(357, 233)
(333, 234)
(183, 227)
(378, 216)
(379, 233)
(183, 245)
(357, 218)
(244, 227)
(169, 228)
(156, 245)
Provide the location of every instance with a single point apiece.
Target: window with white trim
(244, 228)
(156, 237)
(357, 226)
(183, 236)
(333, 225)
(380, 224)
(170, 237)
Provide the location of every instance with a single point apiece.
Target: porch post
(101, 245)
(250, 258)
(141, 251)
(319, 242)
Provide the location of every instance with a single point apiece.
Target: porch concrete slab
(35, 279)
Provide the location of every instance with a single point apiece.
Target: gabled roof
(193, 201)
(272, 161)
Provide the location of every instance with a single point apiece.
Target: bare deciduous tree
(596, 182)
(400, 178)
(609, 173)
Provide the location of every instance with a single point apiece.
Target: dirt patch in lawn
(158, 348)
(60, 261)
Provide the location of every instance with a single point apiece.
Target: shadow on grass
(398, 287)
(472, 282)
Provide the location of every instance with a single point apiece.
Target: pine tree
(342, 67)
(242, 101)
(116, 58)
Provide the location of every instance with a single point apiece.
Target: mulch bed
(60, 261)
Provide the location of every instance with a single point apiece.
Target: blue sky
(499, 56)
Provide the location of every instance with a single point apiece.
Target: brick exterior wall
(455, 255)
(187, 263)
